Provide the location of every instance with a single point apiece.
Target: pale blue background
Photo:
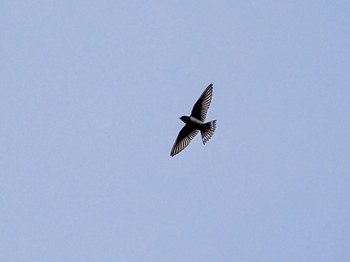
(91, 92)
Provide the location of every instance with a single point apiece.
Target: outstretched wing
(183, 139)
(201, 107)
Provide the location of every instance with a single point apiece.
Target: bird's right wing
(183, 139)
(201, 107)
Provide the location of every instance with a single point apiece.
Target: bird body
(195, 122)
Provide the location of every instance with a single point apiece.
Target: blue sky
(91, 93)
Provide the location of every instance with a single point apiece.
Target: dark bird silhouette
(195, 123)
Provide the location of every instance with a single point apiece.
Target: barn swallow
(195, 122)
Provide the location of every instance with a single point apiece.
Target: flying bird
(195, 122)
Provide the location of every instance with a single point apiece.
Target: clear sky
(91, 95)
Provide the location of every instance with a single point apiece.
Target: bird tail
(207, 130)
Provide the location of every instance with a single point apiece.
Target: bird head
(184, 119)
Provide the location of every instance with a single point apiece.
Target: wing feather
(183, 139)
(201, 107)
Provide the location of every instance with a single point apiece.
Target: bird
(196, 122)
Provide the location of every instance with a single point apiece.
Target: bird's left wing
(183, 139)
(201, 107)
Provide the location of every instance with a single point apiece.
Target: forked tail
(207, 130)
